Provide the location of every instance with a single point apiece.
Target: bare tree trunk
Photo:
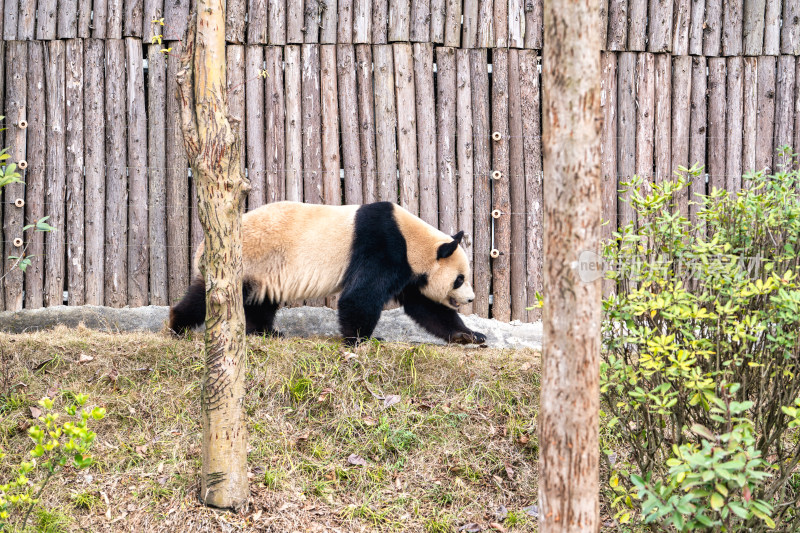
(214, 149)
(568, 417)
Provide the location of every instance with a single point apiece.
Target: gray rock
(394, 324)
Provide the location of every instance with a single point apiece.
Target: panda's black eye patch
(459, 281)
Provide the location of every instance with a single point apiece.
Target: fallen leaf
(85, 358)
(369, 421)
(498, 527)
(354, 459)
(304, 436)
(524, 439)
(141, 450)
(36, 412)
(501, 513)
(390, 400)
(497, 479)
(283, 507)
(51, 392)
(398, 483)
(324, 395)
(509, 471)
(472, 527)
(160, 468)
(350, 355)
(41, 365)
(257, 516)
(531, 510)
(525, 366)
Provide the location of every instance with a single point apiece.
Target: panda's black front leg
(438, 319)
(359, 313)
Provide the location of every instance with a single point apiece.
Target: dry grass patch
(391, 437)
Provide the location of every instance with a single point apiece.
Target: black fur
(447, 249)
(436, 318)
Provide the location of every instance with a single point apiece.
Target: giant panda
(370, 253)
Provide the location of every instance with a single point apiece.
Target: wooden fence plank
(637, 26)
(348, 103)
(179, 262)
(784, 111)
(84, 18)
(406, 127)
(114, 19)
(753, 27)
(698, 131)
(446, 140)
(516, 24)
(328, 27)
(660, 26)
(712, 34)
(67, 27)
(399, 20)
(426, 131)
(256, 21)
(133, 18)
(617, 38)
(46, 19)
(366, 121)
(750, 116)
(74, 174)
(385, 123)
(796, 140)
(485, 25)
(516, 179)
(696, 25)
(275, 134)
(235, 65)
(680, 29)
(10, 20)
(235, 20)
(772, 27)
(345, 21)
(380, 21)
(734, 124)
(534, 17)
(138, 249)
(626, 130)
(276, 10)
(481, 136)
(362, 21)
(156, 173)
(663, 121)
(469, 28)
(3, 144)
(645, 104)
(438, 15)
(56, 172)
(254, 125)
(464, 153)
(196, 234)
(116, 271)
(295, 21)
(331, 185)
(533, 203)
(98, 19)
(35, 180)
(732, 13)
(681, 94)
(95, 161)
(765, 122)
(176, 17)
(311, 24)
(717, 73)
(312, 140)
(500, 24)
(608, 147)
(153, 11)
(420, 25)
(501, 200)
(26, 28)
(294, 124)
(790, 28)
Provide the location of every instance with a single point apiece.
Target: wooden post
(681, 93)
(254, 109)
(329, 15)
(712, 33)
(67, 19)
(178, 201)
(516, 179)
(98, 19)
(256, 21)
(276, 11)
(132, 18)
(406, 127)
(294, 124)
(426, 132)
(790, 29)
(156, 175)
(420, 24)
(569, 399)
(138, 252)
(84, 18)
(765, 122)
(608, 152)
(366, 121)
(772, 27)
(295, 21)
(222, 187)
(351, 150)
(698, 131)
(500, 24)
(331, 185)
(753, 27)
(660, 26)
(74, 162)
(446, 162)
(618, 25)
(750, 120)
(312, 140)
(626, 131)
(311, 27)
(533, 24)
(663, 142)
(680, 27)
(735, 108)
(234, 21)
(26, 29)
(452, 23)
(784, 111)
(114, 19)
(46, 12)
(696, 27)
(153, 10)
(10, 20)
(464, 157)
(716, 123)
(637, 27)
(469, 29)
(235, 64)
(275, 134)
(501, 199)
(481, 136)
(380, 21)
(796, 140)
(438, 14)
(362, 21)
(94, 117)
(645, 96)
(176, 17)
(385, 124)
(399, 20)
(732, 13)
(485, 23)
(35, 180)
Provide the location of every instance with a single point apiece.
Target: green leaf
(717, 501)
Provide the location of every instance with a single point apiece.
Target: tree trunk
(214, 149)
(568, 416)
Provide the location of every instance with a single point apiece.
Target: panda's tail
(191, 310)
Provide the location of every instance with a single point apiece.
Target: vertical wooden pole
(46, 11)
(680, 27)
(750, 120)
(772, 27)
(328, 22)
(637, 26)
(790, 28)
(295, 21)
(698, 132)
(464, 157)
(254, 126)
(659, 35)
(681, 93)
(618, 25)
(406, 127)
(732, 13)
(481, 136)
(275, 134)
(67, 19)
(753, 27)
(420, 24)
(362, 21)
(235, 64)
(114, 19)
(734, 123)
(712, 34)
(366, 121)
(94, 117)
(276, 11)
(437, 21)
(716, 123)
(485, 23)
(176, 17)
(533, 24)
(84, 18)
(75, 197)
(153, 10)
(311, 25)
(331, 185)
(98, 19)
(452, 23)
(312, 141)
(469, 29)
(608, 151)
(426, 132)
(385, 124)
(645, 117)
(256, 21)
(516, 178)
(501, 200)
(696, 27)
(765, 121)
(784, 111)
(156, 173)
(351, 151)
(26, 27)
(235, 21)
(380, 21)
(132, 18)
(10, 20)
(626, 131)
(35, 175)
(446, 162)
(663, 140)
(500, 24)
(294, 124)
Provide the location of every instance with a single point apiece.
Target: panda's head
(447, 279)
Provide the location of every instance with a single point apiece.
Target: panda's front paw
(468, 337)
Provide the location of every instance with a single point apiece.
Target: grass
(459, 443)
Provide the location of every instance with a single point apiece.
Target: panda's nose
(470, 300)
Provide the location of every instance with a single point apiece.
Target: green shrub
(700, 356)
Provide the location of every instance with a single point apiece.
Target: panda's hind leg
(259, 316)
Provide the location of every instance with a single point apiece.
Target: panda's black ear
(447, 249)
